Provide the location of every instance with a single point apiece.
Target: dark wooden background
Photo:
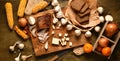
(8, 37)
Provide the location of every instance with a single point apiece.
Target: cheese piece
(55, 41)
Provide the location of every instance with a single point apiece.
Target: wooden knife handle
(54, 58)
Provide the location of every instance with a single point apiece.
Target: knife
(59, 55)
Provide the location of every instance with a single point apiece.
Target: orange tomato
(106, 51)
(87, 48)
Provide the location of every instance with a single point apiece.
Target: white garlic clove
(101, 18)
(77, 32)
(57, 8)
(63, 21)
(70, 44)
(69, 27)
(46, 45)
(21, 46)
(54, 3)
(100, 10)
(66, 34)
(55, 20)
(59, 14)
(18, 57)
(88, 34)
(97, 28)
(67, 38)
(60, 34)
(53, 32)
(31, 20)
(108, 18)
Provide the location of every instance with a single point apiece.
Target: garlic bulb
(54, 3)
(63, 21)
(100, 10)
(69, 27)
(25, 57)
(57, 8)
(97, 28)
(21, 46)
(101, 19)
(12, 48)
(18, 57)
(31, 20)
(77, 32)
(59, 14)
(88, 34)
(108, 18)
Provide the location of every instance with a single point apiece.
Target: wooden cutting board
(39, 47)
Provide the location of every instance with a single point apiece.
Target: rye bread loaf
(77, 4)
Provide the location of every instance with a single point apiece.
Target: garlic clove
(97, 28)
(67, 38)
(55, 20)
(100, 10)
(108, 18)
(59, 14)
(69, 27)
(60, 34)
(57, 8)
(77, 32)
(54, 3)
(46, 45)
(63, 21)
(70, 44)
(66, 34)
(21, 46)
(88, 34)
(101, 19)
(31, 20)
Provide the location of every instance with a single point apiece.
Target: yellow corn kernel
(20, 32)
(41, 5)
(21, 8)
(9, 13)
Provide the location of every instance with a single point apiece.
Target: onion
(22, 22)
(103, 42)
(111, 29)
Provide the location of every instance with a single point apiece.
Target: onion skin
(22, 22)
(103, 42)
(111, 29)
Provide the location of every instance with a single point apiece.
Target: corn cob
(41, 5)
(9, 13)
(20, 32)
(21, 8)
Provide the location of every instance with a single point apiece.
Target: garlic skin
(57, 8)
(97, 28)
(31, 20)
(101, 18)
(69, 27)
(77, 32)
(109, 18)
(59, 14)
(55, 2)
(21, 46)
(100, 10)
(88, 34)
(63, 21)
